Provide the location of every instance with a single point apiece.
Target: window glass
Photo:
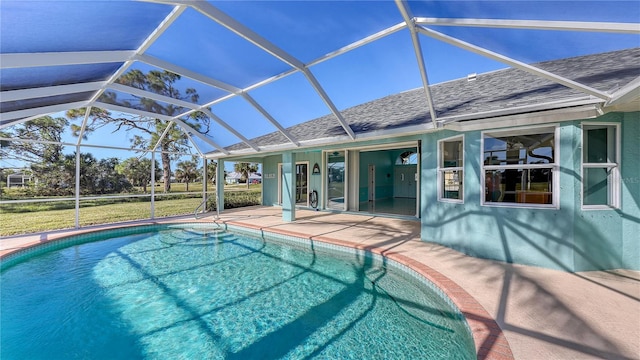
(518, 167)
(336, 180)
(450, 170)
(452, 154)
(600, 166)
(596, 186)
(596, 149)
(452, 184)
(519, 149)
(526, 186)
(599, 145)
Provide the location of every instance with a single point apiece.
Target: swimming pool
(190, 291)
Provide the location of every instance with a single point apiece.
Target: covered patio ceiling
(262, 66)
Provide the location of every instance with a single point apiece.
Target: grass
(26, 218)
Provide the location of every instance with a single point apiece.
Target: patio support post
(220, 186)
(153, 183)
(205, 182)
(77, 221)
(289, 186)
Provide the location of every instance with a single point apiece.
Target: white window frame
(614, 188)
(555, 166)
(441, 170)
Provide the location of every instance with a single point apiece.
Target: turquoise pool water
(193, 293)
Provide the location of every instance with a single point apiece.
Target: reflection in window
(336, 180)
(600, 166)
(407, 158)
(518, 166)
(450, 169)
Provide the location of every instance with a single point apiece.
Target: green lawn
(35, 221)
(36, 217)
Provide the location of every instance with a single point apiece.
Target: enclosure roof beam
(40, 111)
(417, 48)
(164, 133)
(190, 131)
(28, 60)
(273, 121)
(159, 30)
(249, 35)
(153, 96)
(23, 94)
(124, 109)
(230, 128)
(327, 100)
(367, 40)
(610, 27)
(193, 142)
(84, 124)
(514, 63)
(188, 73)
(7, 123)
(193, 108)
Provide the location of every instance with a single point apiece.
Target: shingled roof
(508, 89)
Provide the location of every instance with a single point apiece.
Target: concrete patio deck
(541, 313)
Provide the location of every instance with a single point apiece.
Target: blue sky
(309, 29)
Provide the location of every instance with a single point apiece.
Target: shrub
(236, 199)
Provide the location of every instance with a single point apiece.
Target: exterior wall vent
(472, 77)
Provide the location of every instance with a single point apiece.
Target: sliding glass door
(302, 181)
(335, 194)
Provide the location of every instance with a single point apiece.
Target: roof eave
(557, 111)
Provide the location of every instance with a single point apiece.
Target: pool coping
(489, 339)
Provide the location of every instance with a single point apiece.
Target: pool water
(199, 294)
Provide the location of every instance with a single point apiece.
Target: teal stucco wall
(270, 179)
(568, 238)
(270, 174)
(630, 212)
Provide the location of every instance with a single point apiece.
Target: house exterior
(515, 168)
(18, 179)
(234, 177)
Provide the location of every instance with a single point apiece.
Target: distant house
(255, 178)
(19, 179)
(236, 177)
(233, 177)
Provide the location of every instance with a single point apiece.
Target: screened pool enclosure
(148, 103)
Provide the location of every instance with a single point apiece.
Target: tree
(187, 172)
(212, 166)
(46, 129)
(138, 171)
(159, 82)
(54, 172)
(245, 169)
(96, 176)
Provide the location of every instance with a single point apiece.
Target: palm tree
(187, 172)
(245, 169)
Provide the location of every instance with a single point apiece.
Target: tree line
(55, 175)
(55, 171)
